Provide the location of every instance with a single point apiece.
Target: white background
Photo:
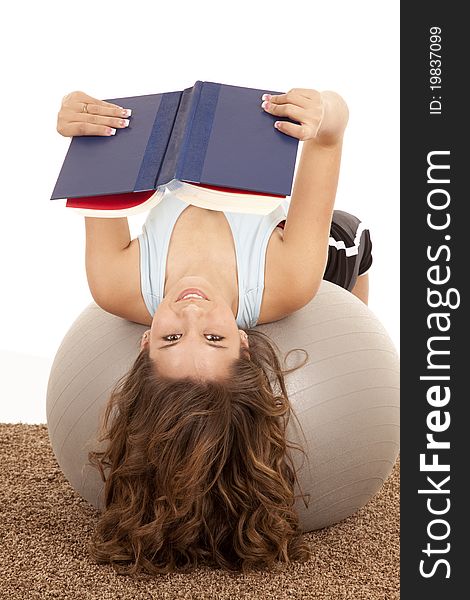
(116, 49)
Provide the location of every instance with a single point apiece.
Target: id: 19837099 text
(435, 70)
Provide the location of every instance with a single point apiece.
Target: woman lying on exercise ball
(197, 455)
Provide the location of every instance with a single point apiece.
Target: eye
(219, 338)
(167, 337)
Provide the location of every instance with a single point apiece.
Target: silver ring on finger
(85, 108)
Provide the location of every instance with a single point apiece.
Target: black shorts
(349, 250)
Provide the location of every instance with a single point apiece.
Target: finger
(296, 113)
(83, 128)
(301, 132)
(294, 97)
(85, 98)
(105, 110)
(122, 111)
(75, 101)
(106, 103)
(116, 122)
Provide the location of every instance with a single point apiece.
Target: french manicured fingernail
(125, 122)
(276, 124)
(126, 112)
(266, 97)
(111, 131)
(265, 105)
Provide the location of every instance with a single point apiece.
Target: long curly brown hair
(199, 471)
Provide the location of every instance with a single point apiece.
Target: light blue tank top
(251, 234)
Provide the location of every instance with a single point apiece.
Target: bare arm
(112, 259)
(308, 221)
(106, 244)
(323, 118)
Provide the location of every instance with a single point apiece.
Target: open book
(212, 144)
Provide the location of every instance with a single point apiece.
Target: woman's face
(195, 337)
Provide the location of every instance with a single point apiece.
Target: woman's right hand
(322, 116)
(100, 118)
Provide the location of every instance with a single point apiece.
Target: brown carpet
(44, 526)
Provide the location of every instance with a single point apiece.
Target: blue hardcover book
(212, 142)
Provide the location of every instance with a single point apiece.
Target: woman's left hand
(323, 116)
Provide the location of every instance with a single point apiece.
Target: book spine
(179, 134)
(197, 133)
(158, 142)
(193, 152)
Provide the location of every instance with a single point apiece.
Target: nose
(192, 316)
(190, 307)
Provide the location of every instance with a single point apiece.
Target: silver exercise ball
(346, 398)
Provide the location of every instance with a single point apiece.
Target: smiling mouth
(191, 294)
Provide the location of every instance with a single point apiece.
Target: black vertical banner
(435, 330)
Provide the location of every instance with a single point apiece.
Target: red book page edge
(122, 201)
(236, 191)
(110, 201)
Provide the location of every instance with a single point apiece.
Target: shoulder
(121, 296)
(284, 290)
